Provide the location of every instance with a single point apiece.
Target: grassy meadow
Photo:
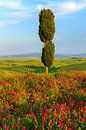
(25, 65)
(31, 100)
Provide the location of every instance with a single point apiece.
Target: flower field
(39, 102)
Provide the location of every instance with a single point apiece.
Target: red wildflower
(11, 106)
(31, 112)
(13, 126)
(24, 128)
(28, 115)
(84, 109)
(70, 128)
(68, 107)
(44, 116)
(7, 128)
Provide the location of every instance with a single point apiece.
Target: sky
(19, 26)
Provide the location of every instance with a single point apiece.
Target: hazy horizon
(19, 21)
(38, 54)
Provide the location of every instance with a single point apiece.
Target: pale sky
(19, 21)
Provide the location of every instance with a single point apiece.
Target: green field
(25, 65)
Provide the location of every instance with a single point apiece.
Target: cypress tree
(46, 34)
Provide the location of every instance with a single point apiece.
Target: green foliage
(48, 54)
(46, 34)
(47, 25)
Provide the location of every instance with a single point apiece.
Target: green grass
(35, 65)
(74, 67)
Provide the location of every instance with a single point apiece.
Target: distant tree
(46, 34)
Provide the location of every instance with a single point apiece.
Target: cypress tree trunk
(46, 70)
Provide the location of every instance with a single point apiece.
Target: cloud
(26, 13)
(39, 7)
(20, 15)
(14, 12)
(17, 12)
(15, 4)
(65, 7)
(69, 7)
(7, 22)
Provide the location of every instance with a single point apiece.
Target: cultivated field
(30, 100)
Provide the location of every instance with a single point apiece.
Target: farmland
(30, 100)
(34, 65)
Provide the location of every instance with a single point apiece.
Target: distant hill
(38, 55)
(70, 55)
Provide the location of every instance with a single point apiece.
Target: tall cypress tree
(46, 34)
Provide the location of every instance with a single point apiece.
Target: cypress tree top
(46, 26)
